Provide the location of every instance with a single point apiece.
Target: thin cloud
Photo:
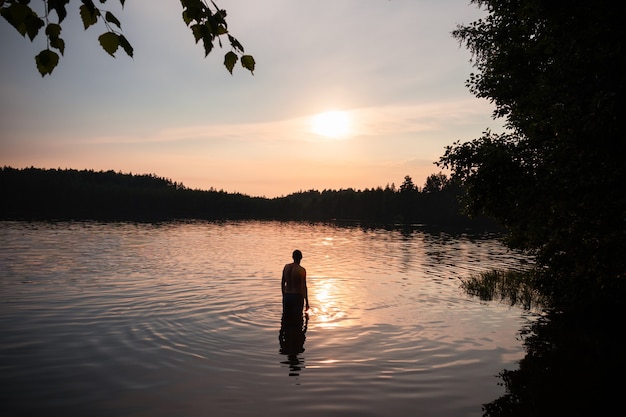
(373, 121)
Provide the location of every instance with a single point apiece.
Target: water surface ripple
(183, 319)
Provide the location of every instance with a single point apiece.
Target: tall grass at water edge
(516, 287)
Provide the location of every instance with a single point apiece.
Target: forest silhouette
(69, 194)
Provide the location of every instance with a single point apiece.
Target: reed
(516, 287)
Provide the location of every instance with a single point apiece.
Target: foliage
(570, 368)
(436, 183)
(555, 72)
(56, 194)
(207, 23)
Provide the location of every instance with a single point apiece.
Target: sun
(332, 124)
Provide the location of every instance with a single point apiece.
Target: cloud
(383, 121)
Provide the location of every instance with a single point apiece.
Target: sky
(389, 71)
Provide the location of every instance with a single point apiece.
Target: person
(293, 286)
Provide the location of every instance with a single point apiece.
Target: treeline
(68, 194)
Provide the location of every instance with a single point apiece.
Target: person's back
(295, 278)
(293, 284)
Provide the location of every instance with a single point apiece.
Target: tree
(555, 72)
(407, 185)
(206, 21)
(436, 183)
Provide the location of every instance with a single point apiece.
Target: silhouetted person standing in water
(293, 326)
(293, 286)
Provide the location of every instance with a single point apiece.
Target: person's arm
(306, 290)
(282, 282)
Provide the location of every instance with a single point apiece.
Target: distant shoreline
(67, 194)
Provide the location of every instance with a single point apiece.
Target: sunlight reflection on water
(184, 319)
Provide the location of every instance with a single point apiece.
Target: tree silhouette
(68, 194)
(555, 72)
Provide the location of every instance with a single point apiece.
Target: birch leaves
(207, 23)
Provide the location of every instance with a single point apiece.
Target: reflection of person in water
(291, 337)
(293, 324)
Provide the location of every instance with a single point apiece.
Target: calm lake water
(183, 319)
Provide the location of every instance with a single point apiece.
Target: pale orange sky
(391, 67)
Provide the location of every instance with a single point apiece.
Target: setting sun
(332, 124)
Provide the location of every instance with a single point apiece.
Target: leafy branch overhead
(207, 23)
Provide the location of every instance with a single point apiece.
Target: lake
(184, 319)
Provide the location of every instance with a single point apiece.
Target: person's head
(296, 255)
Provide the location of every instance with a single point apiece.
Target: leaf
(218, 11)
(220, 16)
(192, 4)
(212, 25)
(59, 44)
(126, 45)
(221, 30)
(186, 18)
(33, 24)
(16, 14)
(89, 16)
(187, 4)
(46, 61)
(199, 32)
(53, 30)
(23, 19)
(192, 11)
(208, 45)
(247, 61)
(235, 43)
(112, 19)
(91, 7)
(59, 7)
(230, 59)
(110, 42)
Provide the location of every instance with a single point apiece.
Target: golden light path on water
(354, 283)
